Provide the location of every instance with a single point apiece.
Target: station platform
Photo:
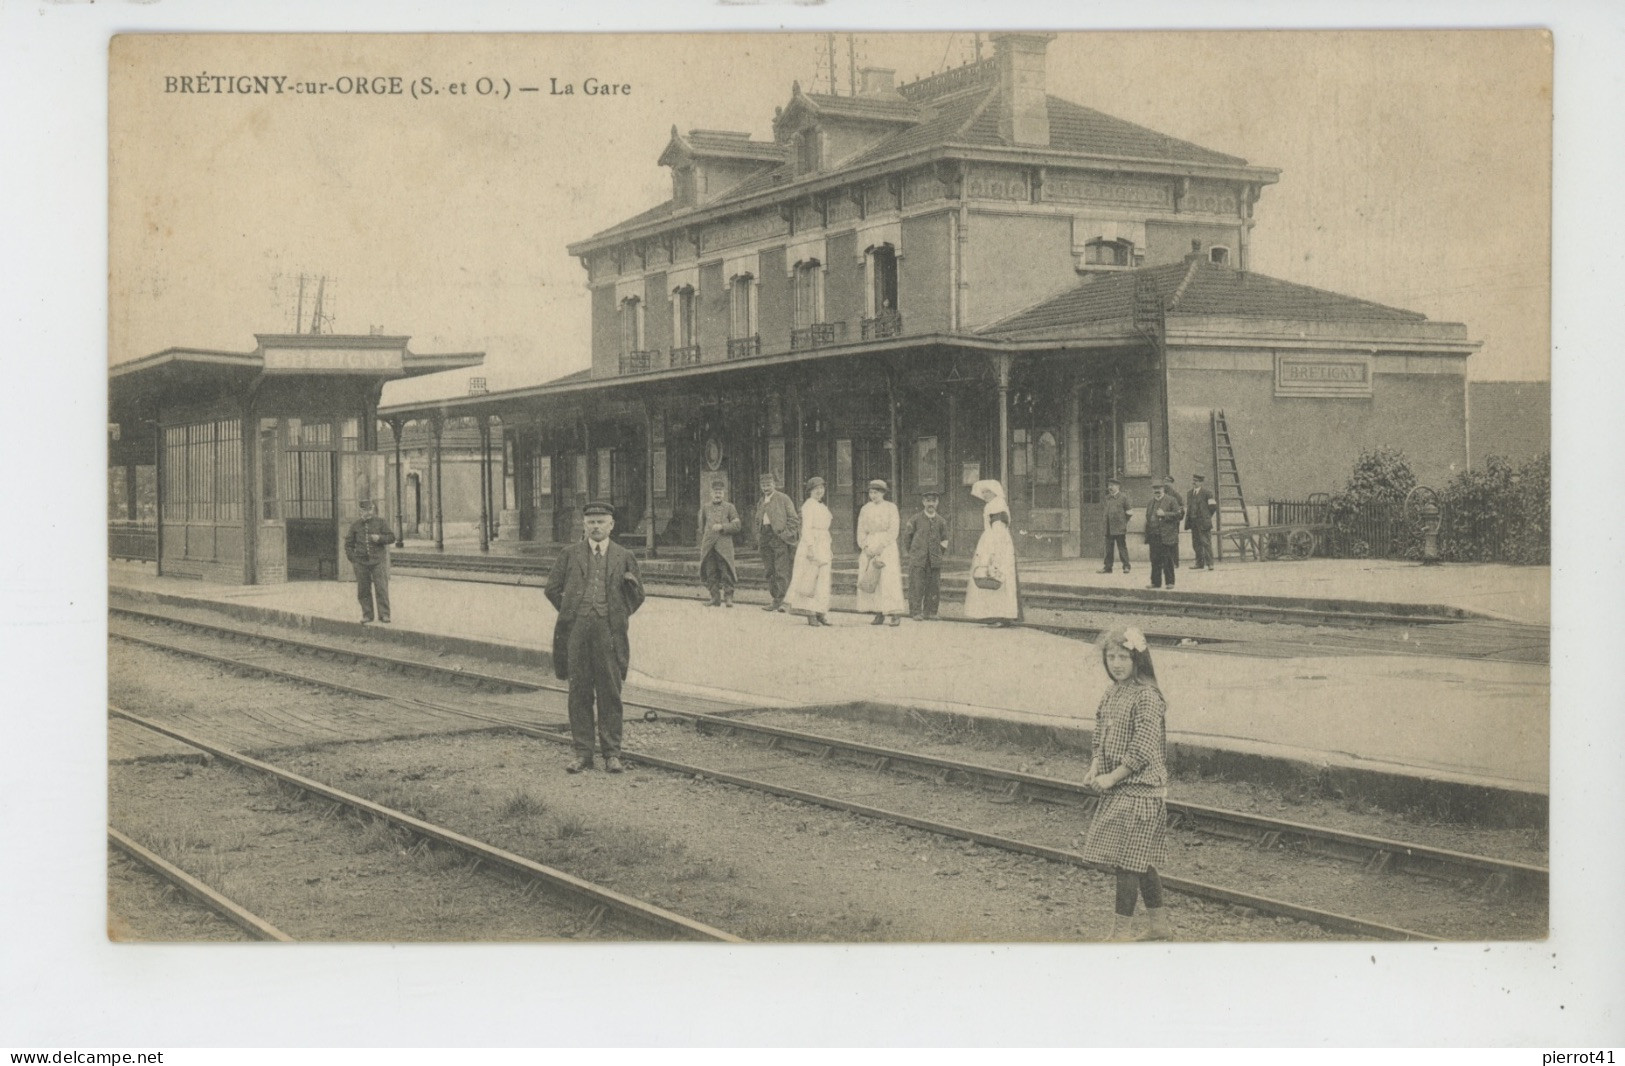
(1520, 594)
(1468, 724)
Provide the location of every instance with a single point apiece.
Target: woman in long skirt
(1129, 766)
(995, 560)
(880, 565)
(809, 586)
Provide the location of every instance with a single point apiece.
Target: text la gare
(589, 87)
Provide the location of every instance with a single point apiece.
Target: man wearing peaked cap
(925, 542)
(595, 587)
(777, 525)
(1199, 510)
(719, 521)
(1116, 508)
(366, 545)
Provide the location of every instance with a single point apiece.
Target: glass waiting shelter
(246, 467)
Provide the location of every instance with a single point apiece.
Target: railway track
(1494, 876)
(1350, 628)
(1372, 852)
(601, 904)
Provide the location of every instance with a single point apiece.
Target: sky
(1415, 172)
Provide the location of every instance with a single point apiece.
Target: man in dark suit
(1116, 506)
(366, 545)
(924, 543)
(777, 524)
(1199, 508)
(596, 588)
(1162, 517)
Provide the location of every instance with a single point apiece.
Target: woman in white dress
(995, 559)
(815, 556)
(878, 526)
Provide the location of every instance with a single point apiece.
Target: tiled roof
(654, 214)
(883, 107)
(713, 143)
(761, 181)
(1193, 288)
(1099, 297)
(944, 123)
(965, 117)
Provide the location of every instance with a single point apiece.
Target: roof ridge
(977, 112)
(1193, 265)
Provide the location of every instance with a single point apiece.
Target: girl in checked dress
(1130, 767)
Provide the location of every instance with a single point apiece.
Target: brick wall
(1288, 447)
(924, 281)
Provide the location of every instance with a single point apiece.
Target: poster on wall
(927, 463)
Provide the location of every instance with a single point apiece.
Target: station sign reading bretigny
(390, 362)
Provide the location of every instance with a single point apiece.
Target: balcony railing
(886, 324)
(744, 347)
(817, 335)
(689, 356)
(640, 362)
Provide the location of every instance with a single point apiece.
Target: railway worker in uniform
(815, 558)
(994, 590)
(1129, 766)
(1199, 509)
(595, 587)
(880, 565)
(776, 528)
(366, 545)
(1162, 517)
(1116, 506)
(925, 542)
(719, 521)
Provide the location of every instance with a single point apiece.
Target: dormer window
(807, 154)
(1108, 254)
(683, 185)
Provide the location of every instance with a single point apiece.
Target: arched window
(1219, 255)
(1108, 253)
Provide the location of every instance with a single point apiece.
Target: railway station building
(952, 279)
(245, 467)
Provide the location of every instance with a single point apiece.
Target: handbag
(987, 577)
(869, 581)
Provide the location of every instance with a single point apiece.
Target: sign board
(1322, 375)
(314, 360)
(1137, 449)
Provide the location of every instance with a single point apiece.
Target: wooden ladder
(1227, 489)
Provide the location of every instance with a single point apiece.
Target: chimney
(877, 81)
(1023, 102)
